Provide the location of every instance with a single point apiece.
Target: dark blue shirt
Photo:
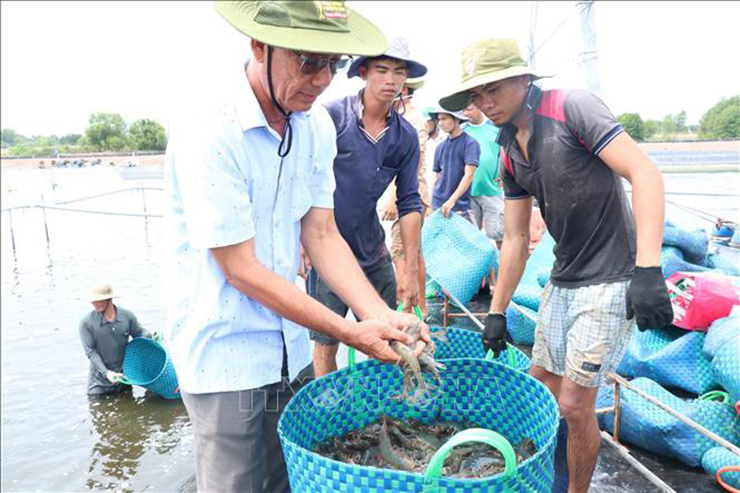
(450, 159)
(363, 170)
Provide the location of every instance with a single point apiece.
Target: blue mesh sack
(147, 364)
(462, 343)
(457, 254)
(521, 327)
(721, 331)
(644, 424)
(722, 264)
(542, 258)
(543, 276)
(672, 357)
(672, 260)
(726, 368)
(528, 296)
(718, 457)
(489, 394)
(693, 244)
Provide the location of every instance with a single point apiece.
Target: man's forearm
(284, 298)
(463, 186)
(648, 202)
(410, 232)
(514, 254)
(336, 264)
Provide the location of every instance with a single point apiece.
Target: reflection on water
(126, 428)
(53, 438)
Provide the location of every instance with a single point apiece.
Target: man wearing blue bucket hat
(248, 179)
(565, 148)
(374, 146)
(104, 333)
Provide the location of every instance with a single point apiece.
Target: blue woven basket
(146, 363)
(521, 327)
(483, 392)
(462, 343)
(721, 332)
(644, 424)
(457, 254)
(719, 457)
(672, 357)
(726, 368)
(693, 244)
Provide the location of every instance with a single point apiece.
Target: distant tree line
(722, 121)
(105, 132)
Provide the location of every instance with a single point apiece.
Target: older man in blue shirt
(246, 179)
(374, 146)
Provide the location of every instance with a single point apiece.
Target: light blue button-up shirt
(225, 184)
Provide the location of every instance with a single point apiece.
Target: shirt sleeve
(590, 120)
(214, 193)
(437, 166)
(91, 351)
(137, 330)
(472, 152)
(512, 190)
(323, 170)
(407, 181)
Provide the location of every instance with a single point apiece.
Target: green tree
(147, 135)
(680, 121)
(10, 137)
(107, 131)
(633, 125)
(651, 127)
(70, 139)
(722, 121)
(669, 125)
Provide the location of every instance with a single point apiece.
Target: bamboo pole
(688, 421)
(624, 453)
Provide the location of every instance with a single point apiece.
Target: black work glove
(494, 334)
(648, 300)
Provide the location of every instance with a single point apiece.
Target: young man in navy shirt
(374, 145)
(455, 162)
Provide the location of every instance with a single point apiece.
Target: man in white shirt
(246, 182)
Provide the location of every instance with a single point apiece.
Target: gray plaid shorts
(582, 333)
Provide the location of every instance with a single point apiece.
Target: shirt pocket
(383, 177)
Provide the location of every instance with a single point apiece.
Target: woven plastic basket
(719, 457)
(490, 394)
(644, 424)
(146, 363)
(672, 357)
(457, 254)
(462, 343)
(726, 368)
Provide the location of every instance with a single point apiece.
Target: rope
(107, 193)
(583, 7)
(87, 211)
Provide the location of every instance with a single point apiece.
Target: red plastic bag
(700, 298)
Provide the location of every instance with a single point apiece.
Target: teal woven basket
(489, 394)
(718, 457)
(462, 343)
(147, 364)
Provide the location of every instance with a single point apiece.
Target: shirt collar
(247, 108)
(359, 108)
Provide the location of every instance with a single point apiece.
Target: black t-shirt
(581, 199)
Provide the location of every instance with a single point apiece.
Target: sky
(61, 61)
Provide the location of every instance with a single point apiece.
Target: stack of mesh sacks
(688, 251)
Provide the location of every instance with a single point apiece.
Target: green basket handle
(510, 352)
(123, 380)
(717, 396)
(495, 440)
(351, 353)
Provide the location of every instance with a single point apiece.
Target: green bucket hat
(484, 62)
(320, 26)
